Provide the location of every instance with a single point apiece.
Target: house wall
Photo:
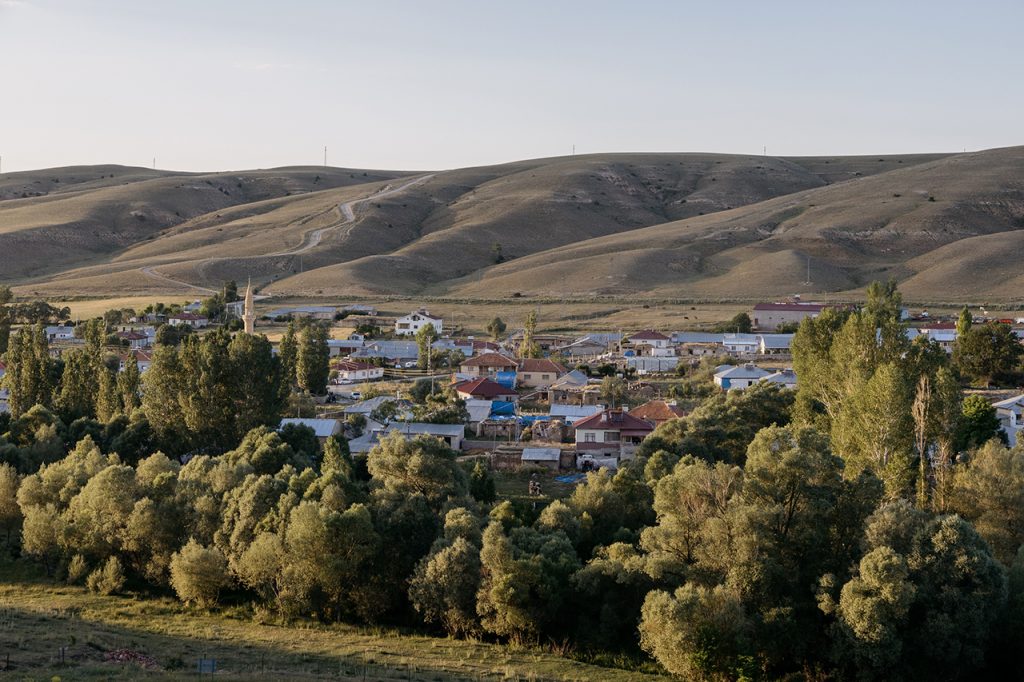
(769, 320)
(536, 379)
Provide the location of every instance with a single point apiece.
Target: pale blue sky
(211, 85)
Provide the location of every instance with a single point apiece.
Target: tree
(979, 423)
(312, 359)
(613, 391)
(481, 484)
(884, 303)
(129, 384)
(198, 574)
(6, 317)
(107, 580)
(739, 324)
(230, 291)
(496, 327)
(424, 338)
(10, 513)
(108, 398)
(964, 322)
(699, 633)
(288, 351)
(496, 254)
(875, 430)
(924, 601)
(424, 465)
(528, 348)
(988, 353)
(28, 370)
(988, 491)
(78, 393)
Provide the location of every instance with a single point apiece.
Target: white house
(413, 322)
(351, 371)
(741, 343)
(774, 344)
(189, 319)
(740, 376)
(60, 333)
(1009, 412)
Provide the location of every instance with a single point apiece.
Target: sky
(218, 84)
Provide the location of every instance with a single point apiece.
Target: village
(538, 406)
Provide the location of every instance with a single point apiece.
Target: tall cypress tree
(312, 365)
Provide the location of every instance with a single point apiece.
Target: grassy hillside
(80, 216)
(703, 226)
(945, 228)
(38, 617)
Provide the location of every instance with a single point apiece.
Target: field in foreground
(38, 617)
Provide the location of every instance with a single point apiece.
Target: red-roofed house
(142, 357)
(538, 372)
(611, 433)
(487, 365)
(769, 316)
(657, 412)
(485, 389)
(135, 339)
(350, 371)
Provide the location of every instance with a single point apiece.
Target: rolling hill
(629, 225)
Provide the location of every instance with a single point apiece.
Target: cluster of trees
(29, 312)
(305, 356)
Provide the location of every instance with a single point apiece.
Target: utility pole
(574, 150)
(325, 156)
(154, 163)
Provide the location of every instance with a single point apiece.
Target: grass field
(38, 617)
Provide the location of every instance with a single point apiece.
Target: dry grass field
(39, 617)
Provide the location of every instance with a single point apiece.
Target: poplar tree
(527, 347)
(312, 367)
(5, 317)
(288, 351)
(129, 382)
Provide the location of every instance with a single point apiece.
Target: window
(545, 377)
(589, 437)
(611, 436)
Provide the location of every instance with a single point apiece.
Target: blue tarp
(506, 379)
(502, 407)
(531, 418)
(570, 478)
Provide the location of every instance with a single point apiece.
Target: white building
(189, 319)
(1009, 413)
(740, 376)
(350, 371)
(413, 322)
(60, 333)
(741, 343)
